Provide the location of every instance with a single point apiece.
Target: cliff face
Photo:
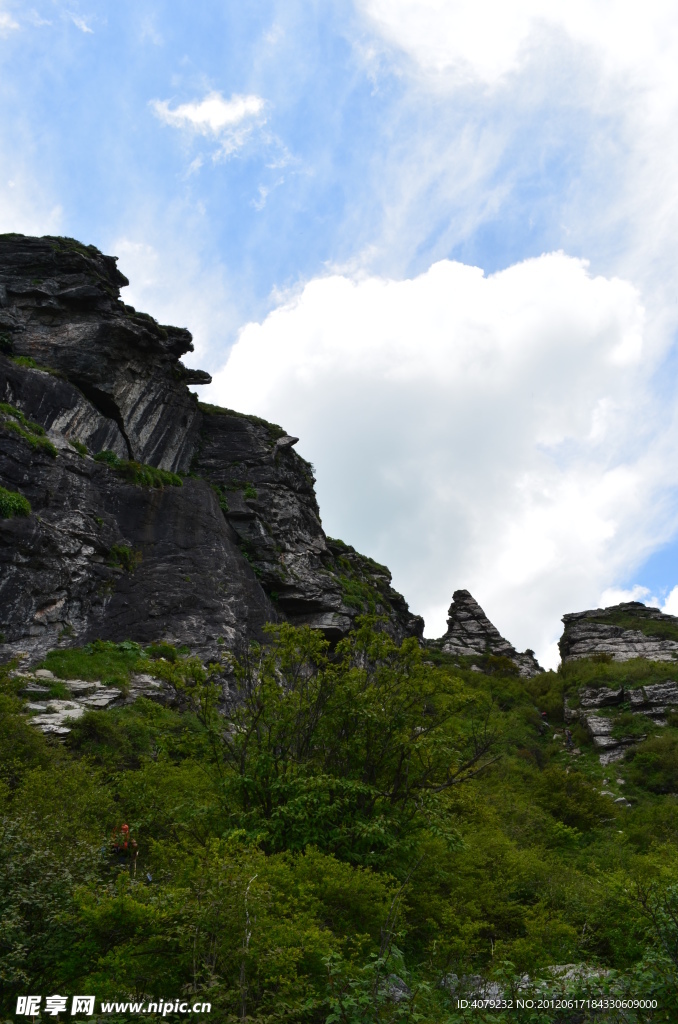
(121, 546)
(624, 631)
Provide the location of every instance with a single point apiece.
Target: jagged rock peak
(622, 631)
(470, 632)
(60, 307)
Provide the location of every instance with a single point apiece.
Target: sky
(434, 239)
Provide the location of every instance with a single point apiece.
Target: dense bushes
(363, 824)
(654, 764)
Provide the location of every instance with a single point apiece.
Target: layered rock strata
(596, 712)
(470, 633)
(624, 631)
(110, 550)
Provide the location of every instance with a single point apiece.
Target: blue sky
(268, 171)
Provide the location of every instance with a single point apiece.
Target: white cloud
(671, 604)
(81, 24)
(177, 283)
(487, 39)
(7, 23)
(472, 431)
(230, 121)
(618, 595)
(25, 204)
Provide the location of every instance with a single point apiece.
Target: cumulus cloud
(486, 39)
(471, 431)
(230, 120)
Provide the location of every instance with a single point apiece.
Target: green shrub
(162, 650)
(357, 594)
(13, 504)
(25, 361)
(572, 799)
(221, 498)
(80, 448)
(628, 724)
(125, 557)
(249, 491)
(654, 764)
(108, 457)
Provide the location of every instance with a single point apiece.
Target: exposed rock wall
(624, 631)
(60, 306)
(267, 493)
(101, 557)
(470, 633)
(239, 544)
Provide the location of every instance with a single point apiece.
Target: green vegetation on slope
(367, 820)
(640, 619)
(13, 504)
(13, 420)
(104, 660)
(274, 430)
(138, 472)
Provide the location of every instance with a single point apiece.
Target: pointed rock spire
(470, 632)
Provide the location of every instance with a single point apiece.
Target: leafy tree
(350, 750)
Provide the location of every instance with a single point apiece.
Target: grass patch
(642, 619)
(80, 448)
(13, 504)
(102, 660)
(593, 673)
(357, 594)
(13, 419)
(25, 361)
(138, 473)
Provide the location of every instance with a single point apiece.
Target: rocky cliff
(470, 633)
(128, 508)
(624, 631)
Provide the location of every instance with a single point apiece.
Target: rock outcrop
(470, 633)
(624, 631)
(152, 516)
(598, 705)
(60, 306)
(55, 715)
